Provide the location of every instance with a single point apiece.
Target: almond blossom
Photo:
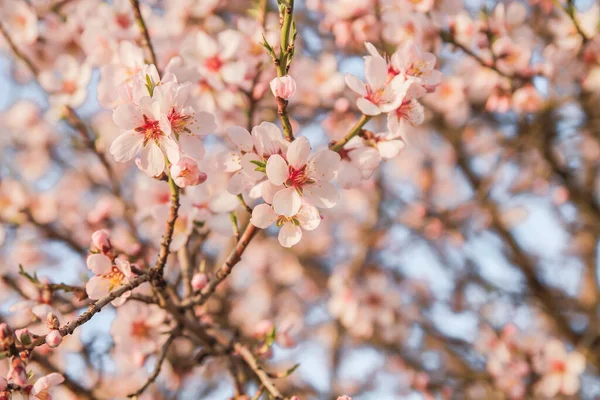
(218, 58)
(147, 131)
(307, 217)
(20, 20)
(109, 276)
(67, 81)
(300, 175)
(560, 370)
(254, 150)
(379, 94)
(283, 87)
(41, 387)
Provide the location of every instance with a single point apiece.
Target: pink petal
(263, 216)
(322, 195)
(277, 170)
(324, 165)
(287, 202)
(298, 152)
(309, 217)
(126, 146)
(289, 235)
(99, 264)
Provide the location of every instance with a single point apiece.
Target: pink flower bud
(54, 338)
(17, 372)
(263, 328)
(101, 241)
(24, 337)
(52, 321)
(344, 397)
(3, 384)
(7, 336)
(283, 87)
(199, 281)
(186, 173)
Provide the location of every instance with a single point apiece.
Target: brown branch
(146, 43)
(165, 243)
(152, 378)
(95, 308)
(224, 271)
(251, 361)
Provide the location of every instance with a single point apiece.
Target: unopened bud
(25, 337)
(17, 372)
(52, 321)
(54, 338)
(283, 87)
(199, 281)
(101, 241)
(7, 336)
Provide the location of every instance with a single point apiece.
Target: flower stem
(355, 130)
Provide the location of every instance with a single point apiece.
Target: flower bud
(186, 173)
(54, 338)
(283, 87)
(7, 336)
(101, 241)
(17, 372)
(24, 337)
(3, 384)
(52, 321)
(199, 281)
(344, 397)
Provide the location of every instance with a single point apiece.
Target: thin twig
(152, 378)
(146, 43)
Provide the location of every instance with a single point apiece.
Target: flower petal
(126, 146)
(289, 235)
(287, 202)
(99, 264)
(298, 152)
(309, 217)
(356, 84)
(240, 137)
(322, 195)
(277, 170)
(323, 165)
(263, 216)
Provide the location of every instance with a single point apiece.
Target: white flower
(147, 130)
(290, 233)
(297, 176)
(108, 277)
(379, 94)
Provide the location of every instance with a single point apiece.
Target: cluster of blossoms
(160, 123)
(513, 357)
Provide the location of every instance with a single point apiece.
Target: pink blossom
(186, 173)
(297, 176)
(147, 130)
(283, 87)
(41, 388)
(108, 276)
(307, 217)
(560, 370)
(20, 20)
(379, 94)
(199, 281)
(53, 338)
(101, 241)
(3, 384)
(67, 81)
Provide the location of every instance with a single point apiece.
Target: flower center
(214, 63)
(150, 129)
(297, 177)
(558, 366)
(69, 87)
(179, 122)
(139, 329)
(115, 278)
(123, 20)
